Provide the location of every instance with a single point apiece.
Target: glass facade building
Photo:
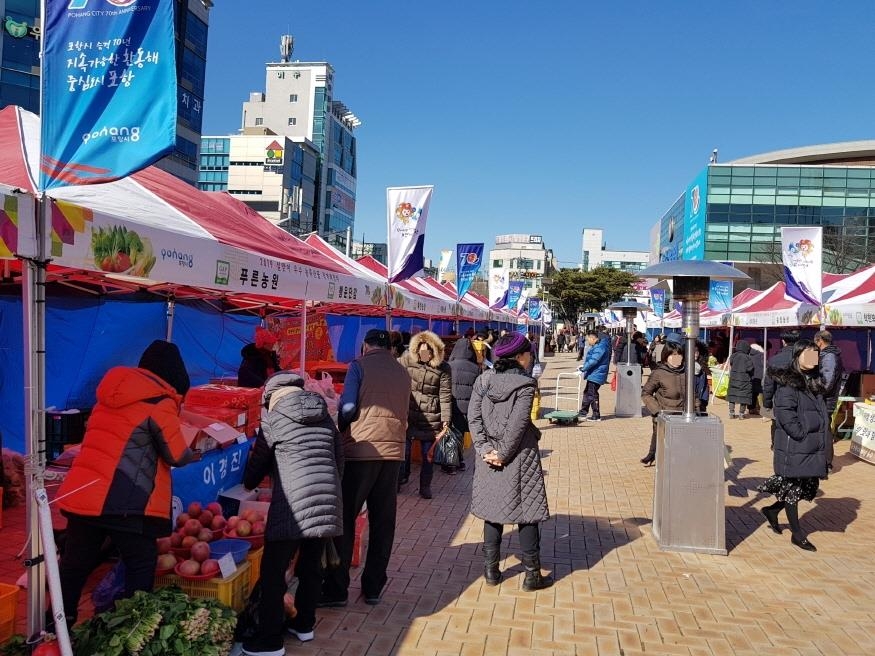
(19, 54)
(215, 160)
(746, 204)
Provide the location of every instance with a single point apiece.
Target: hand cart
(565, 392)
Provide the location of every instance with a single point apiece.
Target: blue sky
(546, 118)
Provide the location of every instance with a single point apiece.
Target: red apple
(194, 509)
(182, 519)
(188, 541)
(210, 566)
(200, 551)
(244, 528)
(190, 568)
(192, 527)
(250, 515)
(215, 507)
(176, 540)
(205, 535)
(232, 522)
(218, 523)
(166, 561)
(205, 518)
(258, 527)
(163, 545)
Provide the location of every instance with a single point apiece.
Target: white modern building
(596, 254)
(298, 102)
(520, 257)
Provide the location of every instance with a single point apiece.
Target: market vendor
(119, 485)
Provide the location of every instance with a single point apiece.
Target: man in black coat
(830, 368)
(781, 360)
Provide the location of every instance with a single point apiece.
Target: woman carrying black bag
(463, 363)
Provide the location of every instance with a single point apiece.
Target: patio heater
(628, 373)
(688, 503)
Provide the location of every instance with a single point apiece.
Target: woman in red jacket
(119, 484)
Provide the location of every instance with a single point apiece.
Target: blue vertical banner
(109, 89)
(469, 257)
(534, 309)
(657, 302)
(514, 292)
(720, 296)
(695, 211)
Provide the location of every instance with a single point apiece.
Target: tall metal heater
(688, 504)
(628, 372)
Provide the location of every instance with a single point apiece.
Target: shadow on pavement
(832, 515)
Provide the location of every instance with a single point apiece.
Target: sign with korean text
(514, 293)
(863, 437)
(469, 257)
(204, 479)
(109, 89)
(534, 309)
(720, 296)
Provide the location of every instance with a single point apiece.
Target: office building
(521, 257)
(596, 254)
(20, 72)
(275, 175)
(299, 102)
(733, 212)
(378, 251)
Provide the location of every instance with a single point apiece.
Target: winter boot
(425, 485)
(491, 556)
(534, 579)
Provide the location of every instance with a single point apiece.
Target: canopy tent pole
(303, 336)
(388, 307)
(430, 323)
(869, 348)
(171, 310)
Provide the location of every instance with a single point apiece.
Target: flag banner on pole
(802, 255)
(469, 257)
(657, 301)
(720, 296)
(521, 303)
(534, 308)
(514, 294)
(407, 213)
(498, 286)
(109, 89)
(446, 256)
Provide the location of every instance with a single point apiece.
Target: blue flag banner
(469, 257)
(514, 292)
(109, 89)
(720, 296)
(534, 308)
(657, 301)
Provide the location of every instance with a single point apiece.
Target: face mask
(808, 359)
(675, 360)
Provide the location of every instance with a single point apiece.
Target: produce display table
(205, 479)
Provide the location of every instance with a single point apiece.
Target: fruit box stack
(227, 396)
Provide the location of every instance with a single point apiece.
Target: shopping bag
(614, 382)
(721, 389)
(447, 449)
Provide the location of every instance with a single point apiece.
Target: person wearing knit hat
(119, 484)
(508, 483)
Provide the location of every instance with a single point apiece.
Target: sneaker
(592, 420)
(257, 647)
(303, 636)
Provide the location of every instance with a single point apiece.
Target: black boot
(425, 485)
(534, 579)
(798, 537)
(491, 556)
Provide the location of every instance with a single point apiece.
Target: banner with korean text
(534, 309)
(109, 89)
(802, 255)
(657, 301)
(514, 294)
(469, 257)
(407, 215)
(720, 296)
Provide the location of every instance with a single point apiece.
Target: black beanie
(163, 359)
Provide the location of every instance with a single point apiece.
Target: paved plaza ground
(616, 592)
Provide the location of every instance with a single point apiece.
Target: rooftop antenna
(287, 46)
(713, 159)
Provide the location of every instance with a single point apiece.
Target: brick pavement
(616, 592)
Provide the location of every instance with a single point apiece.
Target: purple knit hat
(510, 345)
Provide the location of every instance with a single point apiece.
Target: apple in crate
(181, 519)
(232, 522)
(194, 509)
(218, 523)
(192, 527)
(176, 540)
(206, 518)
(200, 551)
(258, 527)
(215, 507)
(190, 568)
(163, 545)
(210, 566)
(205, 535)
(244, 528)
(166, 561)
(188, 541)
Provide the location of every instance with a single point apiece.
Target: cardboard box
(205, 433)
(234, 417)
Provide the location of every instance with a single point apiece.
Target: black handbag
(447, 449)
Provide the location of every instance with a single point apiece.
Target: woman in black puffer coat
(464, 367)
(741, 369)
(800, 442)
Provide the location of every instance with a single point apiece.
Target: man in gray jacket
(373, 420)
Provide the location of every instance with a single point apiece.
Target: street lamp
(688, 504)
(628, 374)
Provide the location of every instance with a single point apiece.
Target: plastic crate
(166, 580)
(233, 591)
(254, 560)
(8, 607)
(64, 428)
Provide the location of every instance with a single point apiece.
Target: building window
(293, 120)
(497, 263)
(259, 121)
(293, 98)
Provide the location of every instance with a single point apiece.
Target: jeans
(427, 470)
(274, 563)
(139, 553)
(591, 398)
(374, 481)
